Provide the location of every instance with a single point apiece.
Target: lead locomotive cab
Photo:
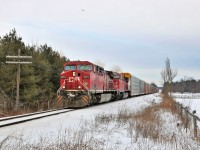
(78, 81)
(76, 75)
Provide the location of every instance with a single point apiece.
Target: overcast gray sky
(136, 35)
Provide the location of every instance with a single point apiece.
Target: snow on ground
(15, 120)
(85, 127)
(192, 100)
(72, 119)
(189, 99)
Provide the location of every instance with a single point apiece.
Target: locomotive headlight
(79, 87)
(74, 74)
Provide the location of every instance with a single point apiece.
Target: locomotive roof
(78, 62)
(81, 63)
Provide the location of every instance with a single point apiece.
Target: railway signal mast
(18, 60)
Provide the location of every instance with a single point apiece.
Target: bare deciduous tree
(167, 76)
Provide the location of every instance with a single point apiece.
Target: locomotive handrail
(84, 86)
(58, 91)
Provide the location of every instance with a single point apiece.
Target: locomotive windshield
(84, 67)
(70, 67)
(116, 77)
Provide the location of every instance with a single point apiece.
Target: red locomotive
(83, 83)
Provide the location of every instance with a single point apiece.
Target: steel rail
(26, 115)
(27, 118)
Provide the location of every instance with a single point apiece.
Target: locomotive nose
(77, 80)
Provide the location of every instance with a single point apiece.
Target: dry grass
(144, 129)
(186, 121)
(147, 123)
(168, 103)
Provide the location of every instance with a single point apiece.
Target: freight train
(83, 83)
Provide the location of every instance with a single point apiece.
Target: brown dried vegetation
(143, 128)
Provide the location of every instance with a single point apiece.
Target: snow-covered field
(189, 99)
(102, 127)
(73, 119)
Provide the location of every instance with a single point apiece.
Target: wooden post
(38, 105)
(186, 117)
(195, 126)
(3, 105)
(18, 62)
(177, 110)
(180, 108)
(18, 82)
(48, 104)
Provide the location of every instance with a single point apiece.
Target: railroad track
(13, 120)
(8, 121)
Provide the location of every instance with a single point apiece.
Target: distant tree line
(39, 80)
(184, 85)
(187, 85)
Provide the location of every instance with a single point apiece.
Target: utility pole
(18, 60)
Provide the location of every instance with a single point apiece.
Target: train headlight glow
(74, 74)
(79, 87)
